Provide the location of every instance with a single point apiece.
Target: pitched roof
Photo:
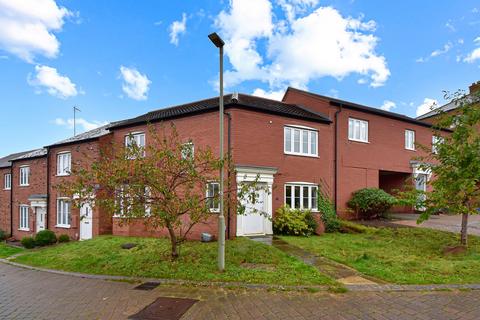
(362, 108)
(32, 154)
(5, 162)
(243, 101)
(452, 105)
(88, 135)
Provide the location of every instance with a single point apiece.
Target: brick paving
(29, 294)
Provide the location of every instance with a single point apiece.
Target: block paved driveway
(442, 222)
(27, 294)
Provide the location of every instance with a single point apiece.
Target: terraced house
(296, 146)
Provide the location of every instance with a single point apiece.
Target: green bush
(294, 222)
(63, 238)
(28, 242)
(327, 213)
(369, 203)
(45, 238)
(3, 235)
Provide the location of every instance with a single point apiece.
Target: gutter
(11, 199)
(47, 215)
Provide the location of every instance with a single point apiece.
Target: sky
(119, 59)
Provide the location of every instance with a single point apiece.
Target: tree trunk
(173, 242)
(463, 232)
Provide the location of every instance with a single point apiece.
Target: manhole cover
(164, 309)
(147, 286)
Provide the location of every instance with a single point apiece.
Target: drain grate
(164, 309)
(147, 286)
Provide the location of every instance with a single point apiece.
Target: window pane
(357, 130)
(305, 198)
(288, 139)
(350, 128)
(296, 140)
(288, 195)
(313, 142)
(363, 131)
(314, 203)
(296, 203)
(304, 141)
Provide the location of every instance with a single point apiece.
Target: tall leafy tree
(164, 184)
(454, 162)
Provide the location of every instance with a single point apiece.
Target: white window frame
(64, 163)
(304, 133)
(190, 152)
(125, 204)
(301, 185)
(210, 197)
(23, 222)
(435, 141)
(24, 176)
(63, 218)
(410, 139)
(7, 181)
(354, 123)
(136, 137)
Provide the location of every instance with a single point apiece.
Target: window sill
(300, 154)
(63, 175)
(62, 226)
(410, 149)
(24, 185)
(7, 189)
(23, 229)
(360, 141)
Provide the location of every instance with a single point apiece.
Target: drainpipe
(47, 214)
(229, 154)
(335, 185)
(11, 199)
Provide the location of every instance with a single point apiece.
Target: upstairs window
(23, 222)
(300, 141)
(357, 130)
(24, 176)
(213, 201)
(63, 213)
(301, 196)
(409, 139)
(436, 140)
(7, 182)
(64, 161)
(135, 139)
(188, 151)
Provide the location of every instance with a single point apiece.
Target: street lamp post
(219, 43)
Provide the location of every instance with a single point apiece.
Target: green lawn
(6, 251)
(404, 256)
(246, 261)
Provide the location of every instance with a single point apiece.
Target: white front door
(255, 220)
(41, 213)
(86, 222)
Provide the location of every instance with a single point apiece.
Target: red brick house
(296, 146)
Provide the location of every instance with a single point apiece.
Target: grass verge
(402, 256)
(246, 261)
(7, 251)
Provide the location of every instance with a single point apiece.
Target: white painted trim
(63, 226)
(38, 203)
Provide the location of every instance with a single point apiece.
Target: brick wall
(4, 202)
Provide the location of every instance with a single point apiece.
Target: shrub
(63, 238)
(45, 238)
(369, 203)
(294, 222)
(327, 213)
(3, 235)
(28, 242)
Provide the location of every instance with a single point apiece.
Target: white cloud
(27, 27)
(449, 25)
(177, 28)
(445, 49)
(427, 106)
(86, 125)
(292, 8)
(475, 54)
(135, 85)
(388, 105)
(274, 95)
(318, 44)
(56, 85)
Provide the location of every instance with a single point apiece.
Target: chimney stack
(475, 87)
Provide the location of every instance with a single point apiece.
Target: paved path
(28, 294)
(440, 222)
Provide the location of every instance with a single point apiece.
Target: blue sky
(119, 59)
